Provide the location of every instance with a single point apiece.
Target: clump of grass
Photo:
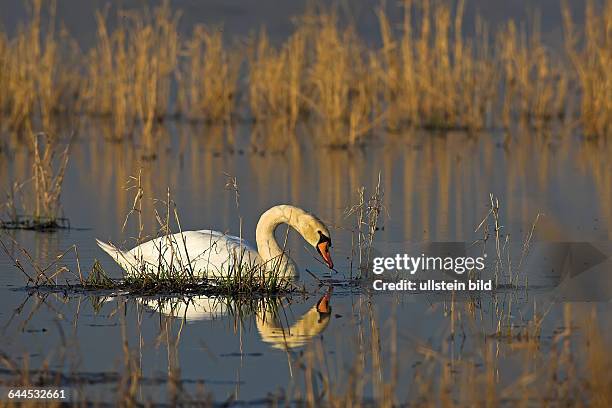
(277, 90)
(505, 271)
(49, 172)
(44, 188)
(330, 72)
(240, 282)
(98, 278)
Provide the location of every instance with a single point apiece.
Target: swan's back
(207, 253)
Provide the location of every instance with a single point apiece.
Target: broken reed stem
(136, 205)
(232, 185)
(367, 213)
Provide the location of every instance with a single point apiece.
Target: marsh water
(436, 189)
(436, 186)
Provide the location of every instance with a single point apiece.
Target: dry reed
(275, 81)
(42, 191)
(591, 56)
(208, 77)
(367, 213)
(432, 76)
(535, 83)
(130, 72)
(39, 76)
(426, 74)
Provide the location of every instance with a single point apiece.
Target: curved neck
(268, 248)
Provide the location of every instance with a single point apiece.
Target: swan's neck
(268, 248)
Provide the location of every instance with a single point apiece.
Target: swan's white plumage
(207, 253)
(212, 254)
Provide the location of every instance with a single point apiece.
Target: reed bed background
(39, 72)
(426, 74)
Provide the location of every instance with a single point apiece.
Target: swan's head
(323, 246)
(317, 235)
(310, 228)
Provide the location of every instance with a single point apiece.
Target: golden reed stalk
(426, 74)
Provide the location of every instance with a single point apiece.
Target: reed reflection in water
(436, 185)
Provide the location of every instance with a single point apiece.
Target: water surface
(436, 188)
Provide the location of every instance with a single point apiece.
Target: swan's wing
(230, 239)
(205, 252)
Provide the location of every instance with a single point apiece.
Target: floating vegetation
(28, 222)
(35, 203)
(151, 285)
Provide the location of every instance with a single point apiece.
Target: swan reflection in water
(272, 324)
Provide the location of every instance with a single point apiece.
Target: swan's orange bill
(324, 251)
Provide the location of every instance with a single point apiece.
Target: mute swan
(213, 254)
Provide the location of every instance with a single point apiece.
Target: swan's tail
(122, 258)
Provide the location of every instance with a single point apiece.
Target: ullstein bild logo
(577, 270)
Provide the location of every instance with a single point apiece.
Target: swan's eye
(323, 238)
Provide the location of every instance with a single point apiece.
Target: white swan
(212, 254)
